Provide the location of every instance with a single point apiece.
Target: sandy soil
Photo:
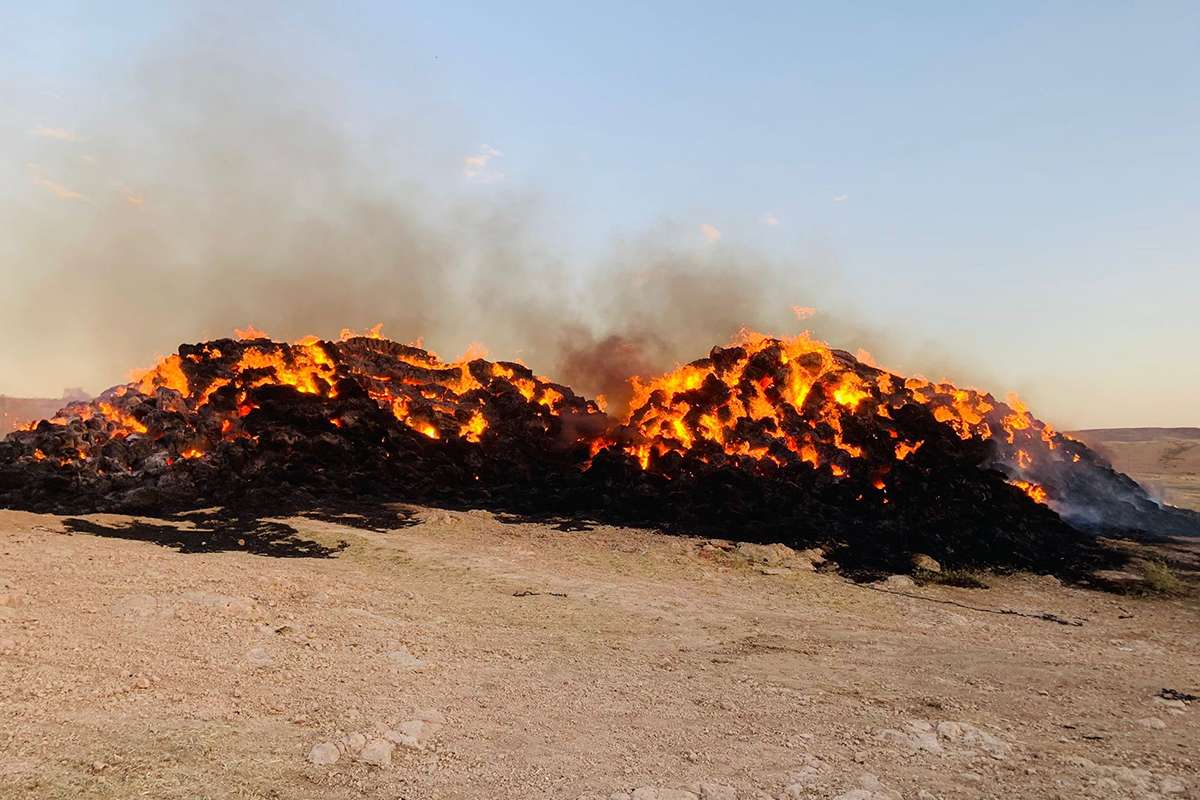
(475, 659)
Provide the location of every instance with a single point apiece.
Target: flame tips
(475, 350)
(1035, 491)
(250, 332)
(849, 394)
(373, 332)
(473, 428)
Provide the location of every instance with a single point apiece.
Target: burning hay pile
(767, 439)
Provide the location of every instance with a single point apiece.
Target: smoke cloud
(216, 184)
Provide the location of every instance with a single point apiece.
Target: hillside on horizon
(1164, 460)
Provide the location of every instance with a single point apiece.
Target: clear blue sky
(1014, 187)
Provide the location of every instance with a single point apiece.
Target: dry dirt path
(466, 658)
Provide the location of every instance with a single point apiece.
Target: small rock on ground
(925, 563)
(404, 659)
(377, 753)
(769, 554)
(324, 754)
(870, 788)
(651, 793)
(259, 657)
(415, 733)
(717, 791)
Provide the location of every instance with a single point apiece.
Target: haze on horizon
(1003, 196)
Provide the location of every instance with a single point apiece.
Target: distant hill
(15, 411)
(1164, 460)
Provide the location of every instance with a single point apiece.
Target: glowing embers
(424, 428)
(1022, 441)
(306, 368)
(124, 422)
(787, 401)
(167, 373)
(473, 429)
(760, 404)
(761, 399)
(1035, 491)
(1019, 420)
(849, 392)
(965, 410)
(199, 401)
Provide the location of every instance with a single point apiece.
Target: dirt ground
(463, 657)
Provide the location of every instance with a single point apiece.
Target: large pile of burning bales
(767, 439)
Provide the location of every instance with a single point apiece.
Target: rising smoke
(216, 183)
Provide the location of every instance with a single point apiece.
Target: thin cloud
(770, 219)
(57, 189)
(478, 167)
(61, 134)
(710, 232)
(841, 198)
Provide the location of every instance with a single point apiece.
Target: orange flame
(773, 401)
(374, 332)
(473, 429)
(474, 350)
(250, 332)
(1036, 492)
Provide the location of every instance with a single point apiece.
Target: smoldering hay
(765, 439)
